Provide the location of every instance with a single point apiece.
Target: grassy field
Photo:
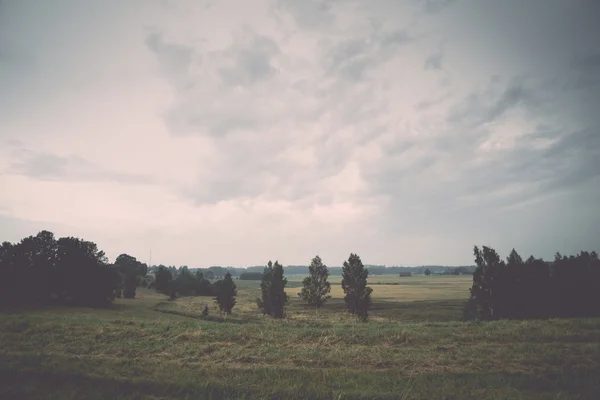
(414, 347)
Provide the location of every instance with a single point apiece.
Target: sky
(236, 132)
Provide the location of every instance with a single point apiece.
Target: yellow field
(395, 288)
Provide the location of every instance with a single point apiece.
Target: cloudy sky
(234, 132)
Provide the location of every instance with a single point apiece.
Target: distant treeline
(567, 287)
(181, 282)
(218, 272)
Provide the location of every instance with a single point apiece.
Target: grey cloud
(71, 168)
(585, 73)
(487, 105)
(435, 6)
(396, 37)
(223, 123)
(587, 61)
(309, 14)
(434, 61)
(251, 61)
(503, 179)
(428, 103)
(207, 100)
(175, 60)
(352, 58)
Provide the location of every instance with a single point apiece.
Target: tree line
(41, 269)
(373, 270)
(568, 287)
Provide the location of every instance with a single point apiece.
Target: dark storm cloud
(589, 62)
(435, 6)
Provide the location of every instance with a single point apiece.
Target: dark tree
(568, 287)
(274, 298)
(316, 287)
(484, 296)
(162, 280)
(185, 282)
(354, 282)
(264, 302)
(82, 274)
(131, 269)
(205, 311)
(427, 272)
(226, 292)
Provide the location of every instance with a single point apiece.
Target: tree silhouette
(316, 288)
(163, 277)
(273, 296)
(354, 282)
(226, 292)
(131, 269)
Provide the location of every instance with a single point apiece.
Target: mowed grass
(414, 347)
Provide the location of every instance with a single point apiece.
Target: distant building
(402, 274)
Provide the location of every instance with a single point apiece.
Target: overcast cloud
(234, 132)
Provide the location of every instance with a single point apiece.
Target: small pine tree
(354, 282)
(273, 296)
(205, 311)
(226, 292)
(316, 287)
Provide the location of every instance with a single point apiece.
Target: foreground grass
(151, 348)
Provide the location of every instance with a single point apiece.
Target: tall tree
(226, 292)
(131, 269)
(264, 302)
(81, 273)
(163, 277)
(354, 282)
(274, 298)
(485, 296)
(316, 288)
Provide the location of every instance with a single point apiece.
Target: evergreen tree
(274, 298)
(487, 290)
(264, 302)
(316, 287)
(226, 292)
(354, 282)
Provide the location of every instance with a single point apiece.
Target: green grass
(414, 347)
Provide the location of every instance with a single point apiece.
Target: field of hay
(414, 346)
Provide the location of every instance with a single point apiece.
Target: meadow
(415, 346)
